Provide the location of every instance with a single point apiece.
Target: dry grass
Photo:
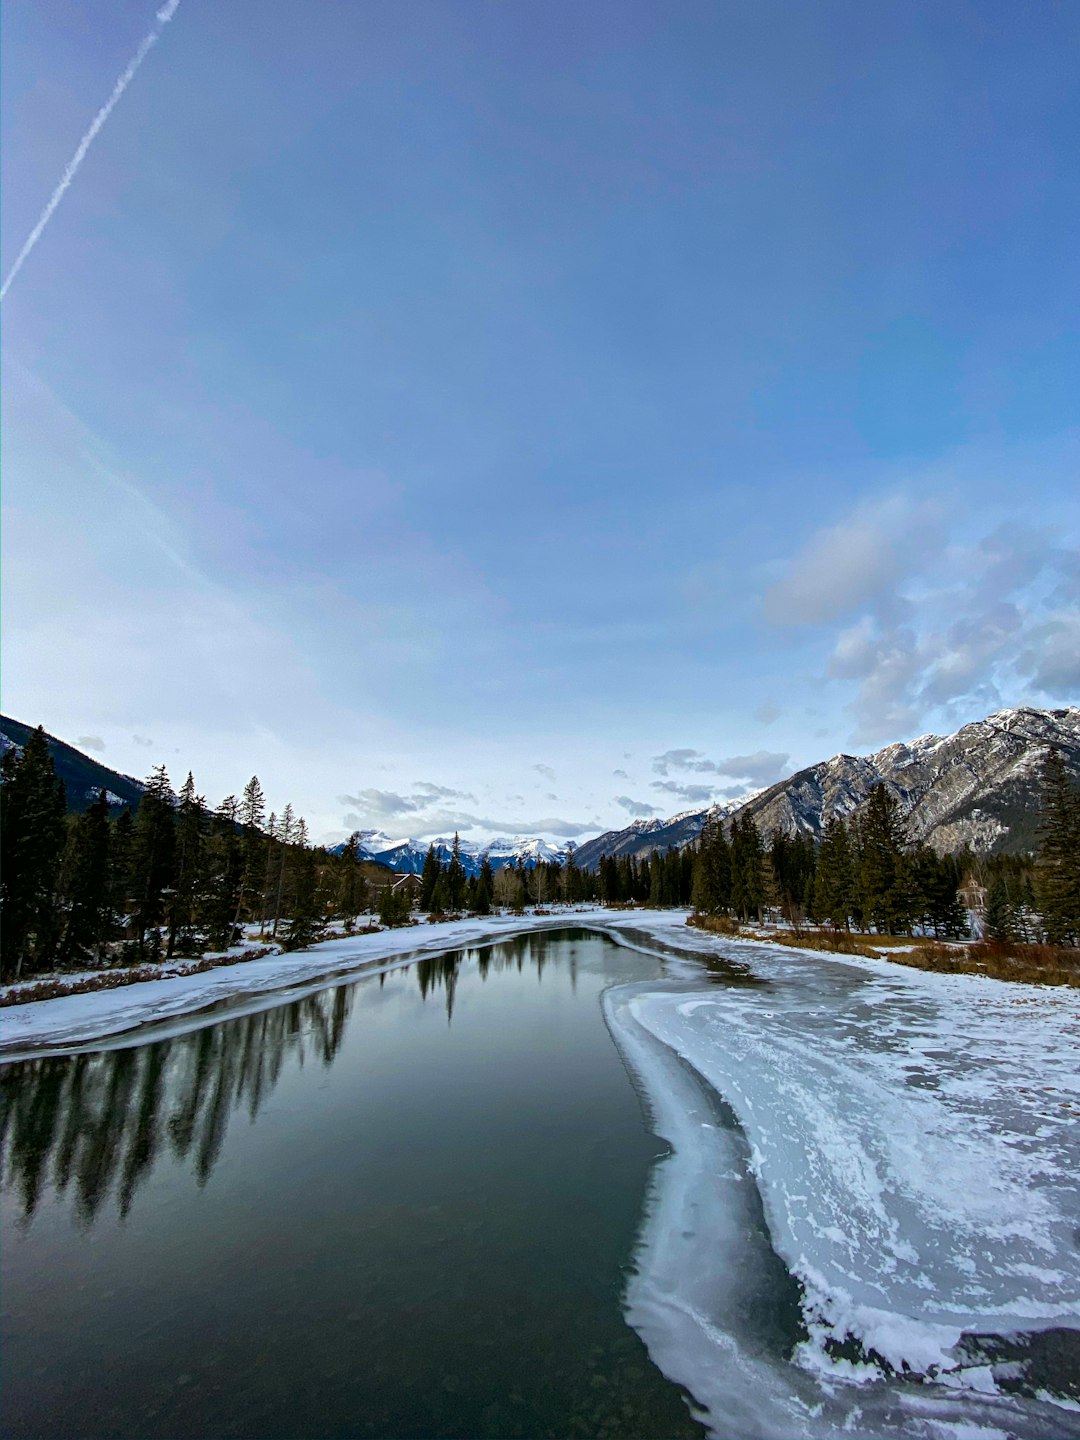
(1000, 960)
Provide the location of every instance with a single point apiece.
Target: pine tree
(286, 836)
(881, 881)
(352, 887)
(835, 884)
(303, 925)
(221, 901)
(88, 924)
(32, 842)
(1000, 918)
(455, 876)
(485, 888)
(1057, 872)
(153, 863)
(429, 878)
(121, 851)
(184, 903)
(252, 818)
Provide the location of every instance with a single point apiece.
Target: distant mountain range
(408, 855)
(83, 778)
(977, 787)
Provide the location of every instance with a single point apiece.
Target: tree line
(864, 874)
(174, 878)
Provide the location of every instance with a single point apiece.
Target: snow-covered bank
(100, 1015)
(915, 1141)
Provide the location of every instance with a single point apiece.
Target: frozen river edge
(904, 1142)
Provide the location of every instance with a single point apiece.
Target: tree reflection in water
(94, 1124)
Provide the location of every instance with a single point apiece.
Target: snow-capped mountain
(977, 787)
(644, 836)
(407, 856)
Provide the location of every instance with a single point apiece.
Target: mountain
(82, 777)
(977, 787)
(645, 836)
(407, 856)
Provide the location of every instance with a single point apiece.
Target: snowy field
(906, 1143)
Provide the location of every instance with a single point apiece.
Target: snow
(905, 1142)
(914, 1141)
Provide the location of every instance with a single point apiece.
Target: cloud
(695, 794)
(546, 771)
(426, 791)
(1051, 660)
(762, 767)
(90, 742)
(377, 808)
(620, 775)
(682, 760)
(381, 804)
(855, 563)
(767, 713)
(637, 808)
(142, 740)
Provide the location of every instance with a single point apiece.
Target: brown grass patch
(1000, 960)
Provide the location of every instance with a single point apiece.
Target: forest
(177, 878)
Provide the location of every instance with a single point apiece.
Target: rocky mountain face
(645, 836)
(977, 787)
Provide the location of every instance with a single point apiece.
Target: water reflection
(93, 1125)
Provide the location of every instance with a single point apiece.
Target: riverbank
(994, 959)
(117, 1004)
(243, 980)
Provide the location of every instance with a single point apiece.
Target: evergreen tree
(222, 900)
(153, 864)
(286, 836)
(32, 842)
(88, 924)
(1057, 873)
(485, 888)
(1000, 918)
(429, 878)
(394, 906)
(455, 876)
(304, 920)
(121, 852)
(571, 877)
(352, 886)
(252, 818)
(835, 884)
(881, 880)
(186, 897)
(747, 880)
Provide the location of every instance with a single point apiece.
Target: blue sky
(448, 411)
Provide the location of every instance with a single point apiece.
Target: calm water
(403, 1206)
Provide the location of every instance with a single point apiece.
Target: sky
(524, 418)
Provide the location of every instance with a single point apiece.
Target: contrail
(161, 19)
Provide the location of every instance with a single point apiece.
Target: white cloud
(695, 794)
(855, 563)
(90, 742)
(637, 808)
